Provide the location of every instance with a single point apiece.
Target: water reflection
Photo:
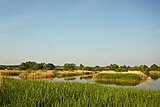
(44, 79)
(70, 78)
(154, 77)
(152, 82)
(118, 83)
(86, 77)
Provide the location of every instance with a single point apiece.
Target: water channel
(150, 83)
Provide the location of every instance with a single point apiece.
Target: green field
(27, 93)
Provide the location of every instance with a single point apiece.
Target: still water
(153, 84)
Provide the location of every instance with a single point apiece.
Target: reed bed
(73, 73)
(10, 72)
(37, 74)
(28, 93)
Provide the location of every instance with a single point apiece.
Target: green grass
(27, 93)
(118, 76)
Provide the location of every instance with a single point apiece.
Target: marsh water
(151, 83)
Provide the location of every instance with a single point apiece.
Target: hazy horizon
(104, 65)
(91, 32)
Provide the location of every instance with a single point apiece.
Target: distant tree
(107, 68)
(23, 66)
(128, 67)
(68, 66)
(113, 66)
(37, 67)
(123, 68)
(154, 67)
(43, 65)
(134, 68)
(50, 66)
(143, 68)
(2, 67)
(30, 64)
(27, 65)
(97, 68)
(87, 68)
(81, 66)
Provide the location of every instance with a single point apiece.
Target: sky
(91, 32)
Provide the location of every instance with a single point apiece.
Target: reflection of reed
(45, 79)
(69, 78)
(73, 73)
(154, 76)
(119, 82)
(86, 76)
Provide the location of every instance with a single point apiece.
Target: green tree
(98, 68)
(87, 68)
(37, 67)
(2, 67)
(50, 66)
(134, 68)
(113, 66)
(143, 68)
(23, 66)
(81, 66)
(154, 67)
(69, 66)
(27, 65)
(123, 68)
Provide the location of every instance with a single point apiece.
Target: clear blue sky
(92, 32)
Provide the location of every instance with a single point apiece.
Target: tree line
(31, 65)
(36, 66)
(115, 67)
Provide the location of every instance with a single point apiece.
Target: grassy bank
(29, 93)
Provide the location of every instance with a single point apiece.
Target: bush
(121, 70)
(70, 67)
(36, 66)
(2, 67)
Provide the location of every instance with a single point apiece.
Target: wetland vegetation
(107, 74)
(64, 94)
(33, 92)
